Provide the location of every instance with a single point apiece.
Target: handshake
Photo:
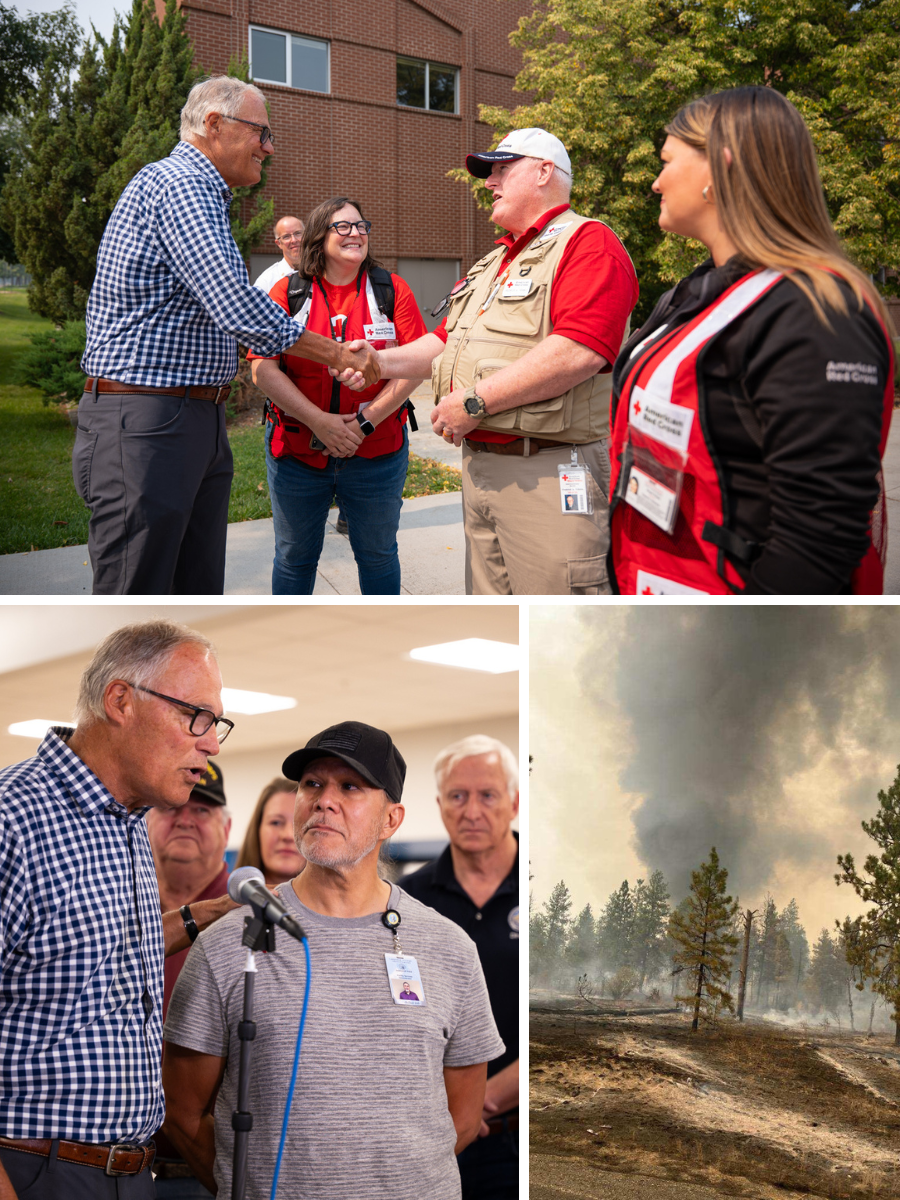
(359, 367)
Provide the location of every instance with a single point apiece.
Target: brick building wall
(356, 140)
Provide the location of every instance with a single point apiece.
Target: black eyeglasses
(342, 228)
(265, 135)
(201, 721)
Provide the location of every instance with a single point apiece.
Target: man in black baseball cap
(397, 991)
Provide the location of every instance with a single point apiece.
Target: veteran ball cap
(366, 749)
(209, 788)
(521, 143)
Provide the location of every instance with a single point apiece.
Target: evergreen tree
(706, 940)
(651, 919)
(615, 928)
(582, 947)
(765, 953)
(549, 933)
(782, 969)
(607, 75)
(825, 980)
(876, 952)
(796, 936)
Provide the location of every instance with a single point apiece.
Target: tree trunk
(897, 1033)
(850, 1003)
(871, 1016)
(745, 958)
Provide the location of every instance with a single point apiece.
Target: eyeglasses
(201, 721)
(296, 236)
(265, 135)
(342, 228)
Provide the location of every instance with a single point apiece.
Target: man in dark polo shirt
(188, 847)
(475, 882)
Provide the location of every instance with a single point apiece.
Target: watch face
(471, 406)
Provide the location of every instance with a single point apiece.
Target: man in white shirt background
(289, 236)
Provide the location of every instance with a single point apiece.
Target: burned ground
(755, 1110)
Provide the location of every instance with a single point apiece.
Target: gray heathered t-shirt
(369, 1119)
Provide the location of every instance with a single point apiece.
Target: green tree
(706, 940)
(651, 918)
(875, 952)
(825, 981)
(615, 928)
(582, 946)
(606, 75)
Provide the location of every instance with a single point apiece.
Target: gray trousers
(36, 1178)
(155, 471)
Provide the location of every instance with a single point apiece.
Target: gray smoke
(724, 704)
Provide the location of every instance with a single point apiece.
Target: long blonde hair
(770, 199)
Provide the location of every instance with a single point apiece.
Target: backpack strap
(298, 292)
(383, 287)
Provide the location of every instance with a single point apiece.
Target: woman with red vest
(751, 411)
(322, 440)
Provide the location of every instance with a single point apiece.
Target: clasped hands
(449, 418)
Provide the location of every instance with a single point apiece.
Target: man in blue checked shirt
(81, 938)
(170, 300)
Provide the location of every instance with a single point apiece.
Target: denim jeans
(369, 492)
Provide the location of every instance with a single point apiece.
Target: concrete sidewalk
(431, 541)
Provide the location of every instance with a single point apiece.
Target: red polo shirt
(594, 290)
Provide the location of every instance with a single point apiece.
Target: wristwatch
(473, 403)
(366, 426)
(190, 924)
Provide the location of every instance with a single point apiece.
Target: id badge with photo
(405, 979)
(652, 497)
(574, 493)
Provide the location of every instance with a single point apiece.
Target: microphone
(246, 886)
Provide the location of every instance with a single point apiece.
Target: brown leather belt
(516, 447)
(502, 1124)
(218, 395)
(122, 1158)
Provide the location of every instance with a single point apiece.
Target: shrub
(53, 364)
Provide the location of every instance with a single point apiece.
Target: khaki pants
(518, 541)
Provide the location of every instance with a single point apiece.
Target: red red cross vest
(668, 529)
(291, 437)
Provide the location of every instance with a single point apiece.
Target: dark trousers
(36, 1178)
(155, 471)
(489, 1168)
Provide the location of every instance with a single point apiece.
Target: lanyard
(335, 405)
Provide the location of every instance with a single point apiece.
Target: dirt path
(553, 1178)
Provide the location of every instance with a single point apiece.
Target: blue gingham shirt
(171, 296)
(80, 1057)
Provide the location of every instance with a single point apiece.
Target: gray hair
(219, 93)
(469, 747)
(138, 654)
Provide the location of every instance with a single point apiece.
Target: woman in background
(269, 841)
(751, 411)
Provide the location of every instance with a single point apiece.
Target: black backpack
(298, 293)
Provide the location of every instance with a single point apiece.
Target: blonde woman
(269, 841)
(751, 411)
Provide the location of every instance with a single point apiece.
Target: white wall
(247, 774)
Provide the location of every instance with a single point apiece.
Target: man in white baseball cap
(524, 379)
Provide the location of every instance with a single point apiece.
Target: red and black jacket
(781, 485)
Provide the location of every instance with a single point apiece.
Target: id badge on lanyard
(655, 457)
(574, 492)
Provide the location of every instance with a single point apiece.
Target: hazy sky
(100, 12)
(660, 731)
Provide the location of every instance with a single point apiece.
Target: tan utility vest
(480, 343)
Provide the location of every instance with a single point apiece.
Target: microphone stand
(259, 934)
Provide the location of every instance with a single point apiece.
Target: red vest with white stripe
(290, 437)
(671, 535)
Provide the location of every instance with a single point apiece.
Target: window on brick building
(299, 62)
(426, 85)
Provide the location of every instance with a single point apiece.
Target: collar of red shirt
(515, 245)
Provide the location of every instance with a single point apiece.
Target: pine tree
(876, 952)
(825, 980)
(796, 936)
(782, 969)
(615, 928)
(765, 955)
(651, 918)
(582, 947)
(706, 940)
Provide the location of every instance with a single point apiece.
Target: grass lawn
(39, 506)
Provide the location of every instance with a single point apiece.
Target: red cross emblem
(647, 591)
(637, 408)
(565, 479)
